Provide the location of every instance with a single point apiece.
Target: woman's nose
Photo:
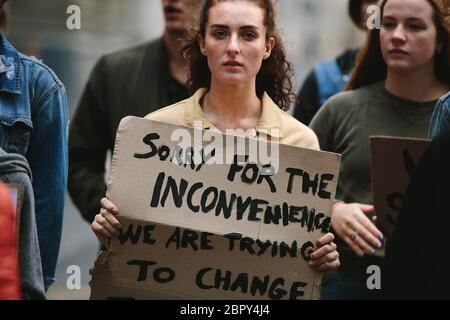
(399, 34)
(233, 45)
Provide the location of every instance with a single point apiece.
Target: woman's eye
(249, 35)
(415, 27)
(388, 25)
(219, 34)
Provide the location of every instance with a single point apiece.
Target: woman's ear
(270, 44)
(201, 44)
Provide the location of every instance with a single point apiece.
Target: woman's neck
(232, 106)
(420, 86)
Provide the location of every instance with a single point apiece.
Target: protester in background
(9, 269)
(241, 79)
(33, 117)
(329, 78)
(416, 259)
(440, 121)
(400, 74)
(134, 81)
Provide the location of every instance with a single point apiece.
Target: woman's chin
(233, 79)
(400, 66)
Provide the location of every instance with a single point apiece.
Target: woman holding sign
(241, 79)
(400, 74)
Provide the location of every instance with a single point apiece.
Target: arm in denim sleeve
(88, 145)
(47, 156)
(440, 121)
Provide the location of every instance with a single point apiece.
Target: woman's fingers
(101, 233)
(328, 266)
(111, 219)
(377, 236)
(325, 239)
(106, 225)
(109, 206)
(364, 238)
(99, 229)
(322, 251)
(353, 245)
(329, 257)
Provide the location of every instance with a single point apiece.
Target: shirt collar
(270, 123)
(9, 67)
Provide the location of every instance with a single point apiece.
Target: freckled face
(408, 35)
(235, 42)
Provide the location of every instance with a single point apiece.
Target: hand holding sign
(105, 224)
(326, 257)
(244, 234)
(351, 223)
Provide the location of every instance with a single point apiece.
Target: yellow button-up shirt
(279, 125)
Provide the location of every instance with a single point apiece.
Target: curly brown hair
(275, 74)
(371, 67)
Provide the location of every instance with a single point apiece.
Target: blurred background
(314, 31)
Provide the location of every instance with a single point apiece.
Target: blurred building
(314, 30)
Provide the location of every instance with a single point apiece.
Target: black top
(131, 82)
(417, 259)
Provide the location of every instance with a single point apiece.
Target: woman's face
(235, 41)
(408, 35)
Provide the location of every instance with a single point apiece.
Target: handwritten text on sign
(194, 230)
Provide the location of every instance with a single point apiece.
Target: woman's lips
(232, 64)
(398, 51)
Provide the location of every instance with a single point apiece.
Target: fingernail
(361, 254)
(373, 251)
(379, 245)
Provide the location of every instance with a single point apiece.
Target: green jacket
(133, 81)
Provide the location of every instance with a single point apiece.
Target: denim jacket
(440, 121)
(33, 123)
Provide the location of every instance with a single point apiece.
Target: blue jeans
(339, 286)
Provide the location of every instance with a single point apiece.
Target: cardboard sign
(393, 162)
(198, 230)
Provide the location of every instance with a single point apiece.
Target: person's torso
(24, 83)
(374, 112)
(138, 81)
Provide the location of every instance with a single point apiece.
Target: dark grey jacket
(14, 169)
(131, 82)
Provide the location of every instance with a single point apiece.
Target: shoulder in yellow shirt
(288, 130)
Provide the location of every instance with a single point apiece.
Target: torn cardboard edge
(125, 289)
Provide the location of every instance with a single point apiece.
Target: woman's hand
(351, 224)
(325, 257)
(105, 223)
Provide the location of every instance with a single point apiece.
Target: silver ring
(354, 234)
